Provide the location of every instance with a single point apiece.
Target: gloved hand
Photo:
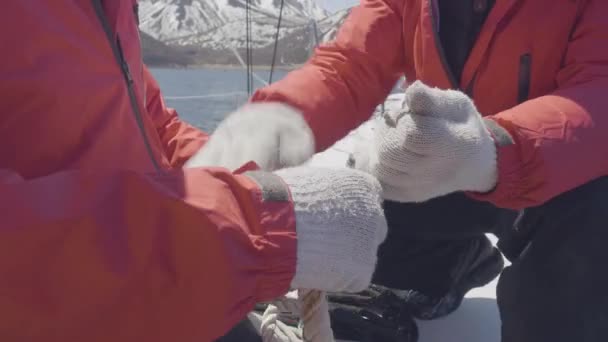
(437, 144)
(274, 135)
(340, 224)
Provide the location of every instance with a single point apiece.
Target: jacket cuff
(277, 229)
(509, 165)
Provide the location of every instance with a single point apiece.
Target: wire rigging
(276, 42)
(248, 47)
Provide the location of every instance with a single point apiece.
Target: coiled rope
(312, 310)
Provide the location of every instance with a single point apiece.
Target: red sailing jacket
(539, 68)
(103, 236)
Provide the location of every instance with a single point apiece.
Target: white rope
(313, 311)
(314, 317)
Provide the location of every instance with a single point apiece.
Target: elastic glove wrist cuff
(276, 226)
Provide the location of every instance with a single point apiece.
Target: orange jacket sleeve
(180, 140)
(346, 79)
(123, 256)
(562, 138)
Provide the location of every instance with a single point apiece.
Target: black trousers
(557, 286)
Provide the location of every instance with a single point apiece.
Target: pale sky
(334, 5)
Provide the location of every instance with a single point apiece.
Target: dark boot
(437, 251)
(374, 315)
(481, 264)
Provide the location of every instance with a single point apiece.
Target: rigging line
(247, 47)
(234, 49)
(315, 33)
(250, 49)
(276, 42)
(243, 64)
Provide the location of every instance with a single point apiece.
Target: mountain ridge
(212, 32)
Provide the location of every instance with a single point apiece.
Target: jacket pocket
(523, 83)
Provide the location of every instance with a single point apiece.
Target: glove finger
(424, 135)
(448, 104)
(295, 148)
(209, 155)
(226, 150)
(420, 192)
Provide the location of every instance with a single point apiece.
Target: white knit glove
(339, 223)
(437, 144)
(274, 135)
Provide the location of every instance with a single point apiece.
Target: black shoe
(374, 315)
(480, 266)
(244, 331)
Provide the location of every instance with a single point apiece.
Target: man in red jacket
(105, 237)
(532, 170)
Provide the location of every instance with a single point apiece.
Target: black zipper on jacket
(523, 82)
(124, 66)
(469, 90)
(439, 47)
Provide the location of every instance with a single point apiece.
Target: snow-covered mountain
(329, 26)
(219, 25)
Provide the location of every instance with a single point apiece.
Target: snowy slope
(221, 23)
(166, 19)
(329, 26)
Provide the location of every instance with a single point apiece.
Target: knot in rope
(310, 307)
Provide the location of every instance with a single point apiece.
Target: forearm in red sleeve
(346, 79)
(561, 139)
(179, 139)
(123, 256)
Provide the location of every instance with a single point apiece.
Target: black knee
(556, 289)
(453, 216)
(430, 246)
